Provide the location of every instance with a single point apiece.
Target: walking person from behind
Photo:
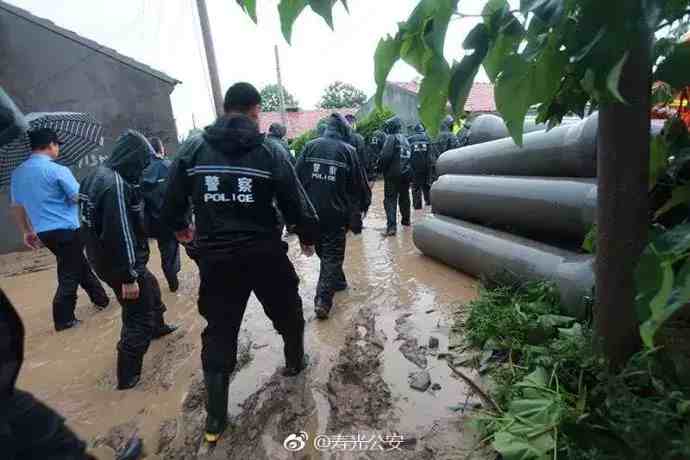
(332, 177)
(421, 162)
(397, 174)
(153, 186)
(44, 199)
(233, 175)
(276, 134)
(117, 247)
(445, 141)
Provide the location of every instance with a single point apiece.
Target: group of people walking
(225, 198)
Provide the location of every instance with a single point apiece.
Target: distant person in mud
(44, 199)
(445, 141)
(378, 138)
(233, 176)
(117, 246)
(276, 134)
(330, 173)
(29, 429)
(153, 185)
(397, 173)
(422, 163)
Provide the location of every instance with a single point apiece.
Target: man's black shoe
(164, 330)
(389, 232)
(406, 223)
(68, 325)
(174, 285)
(295, 370)
(102, 304)
(341, 287)
(129, 383)
(216, 404)
(321, 309)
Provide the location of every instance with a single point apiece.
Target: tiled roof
(299, 122)
(481, 98)
(68, 34)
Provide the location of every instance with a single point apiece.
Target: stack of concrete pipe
(496, 204)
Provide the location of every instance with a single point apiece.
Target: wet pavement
(358, 382)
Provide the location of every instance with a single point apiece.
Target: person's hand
(307, 250)
(186, 235)
(130, 291)
(32, 241)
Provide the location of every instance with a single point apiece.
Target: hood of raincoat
(234, 135)
(338, 127)
(131, 155)
(419, 129)
(447, 124)
(393, 125)
(11, 346)
(277, 130)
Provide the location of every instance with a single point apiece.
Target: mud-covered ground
(355, 400)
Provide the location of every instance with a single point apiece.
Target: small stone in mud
(433, 342)
(436, 386)
(420, 380)
(429, 311)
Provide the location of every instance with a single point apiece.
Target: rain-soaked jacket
(111, 211)
(232, 176)
(153, 185)
(276, 134)
(330, 172)
(395, 155)
(446, 140)
(422, 157)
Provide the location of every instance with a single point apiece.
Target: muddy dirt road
(362, 357)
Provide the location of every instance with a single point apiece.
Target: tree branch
(668, 22)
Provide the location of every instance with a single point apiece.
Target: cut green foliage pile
(558, 399)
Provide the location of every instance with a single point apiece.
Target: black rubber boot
(128, 370)
(164, 330)
(295, 358)
(322, 310)
(216, 404)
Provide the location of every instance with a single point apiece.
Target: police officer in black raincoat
(378, 138)
(445, 141)
(332, 177)
(276, 134)
(422, 162)
(397, 173)
(153, 186)
(111, 212)
(233, 176)
(29, 429)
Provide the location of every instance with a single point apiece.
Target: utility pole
(283, 115)
(210, 56)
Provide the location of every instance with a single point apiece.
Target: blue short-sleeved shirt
(48, 192)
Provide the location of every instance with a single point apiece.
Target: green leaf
(387, 54)
(495, 13)
(590, 242)
(433, 95)
(477, 38)
(673, 242)
(548, 11)
(659, 301)
(513, 447)
(658, 161)
(462, 77)
(347, 8)
(249, 7)
(514, 93)
(675, 69)
(323, 8)
(614, 77)
(662, 94)
(584, 51)
(548, 72)
(501, 48)
(679, 196)
(289, 10)
(648, 279)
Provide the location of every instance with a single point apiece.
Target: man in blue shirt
(44, 198)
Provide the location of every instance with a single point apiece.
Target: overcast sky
(165, 35)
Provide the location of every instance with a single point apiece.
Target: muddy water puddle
(410, 297)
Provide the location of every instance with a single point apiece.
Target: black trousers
(73, 270)
(226, 284)
(420, 189)
(331, 250)
(31, 430)
(139, 317)
(396, 192)
(169, 248)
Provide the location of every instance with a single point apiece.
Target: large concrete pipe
(485, 128)
(565, 151)
(480, 251)
(559, 207)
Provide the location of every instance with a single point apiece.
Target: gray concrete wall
(403, 103)
(45, 72)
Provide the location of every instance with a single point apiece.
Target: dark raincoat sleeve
(293, 202)
(360, 185)
(175, 213)
(387, 153)
(118, 235)
(11, 347)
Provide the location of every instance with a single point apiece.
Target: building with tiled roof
(299, 121)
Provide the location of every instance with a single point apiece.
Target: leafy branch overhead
(555, 55)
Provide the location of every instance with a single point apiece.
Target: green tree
(558, 55)
(340, 95)
(270, 98)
